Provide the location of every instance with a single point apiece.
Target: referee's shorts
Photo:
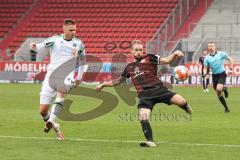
(219, 79)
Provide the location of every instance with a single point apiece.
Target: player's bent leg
(45, 101)
(144, 115)
(56, 109)
(43, 110)
(203, 83)
(219, 90)
(181, 102)
(45, 116)
(46, 97)
(207, 83)
(225, 90)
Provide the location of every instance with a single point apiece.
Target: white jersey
(61, 50)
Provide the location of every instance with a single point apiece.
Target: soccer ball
(180, 73)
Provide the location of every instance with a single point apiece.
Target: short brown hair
(136, 42)
(69, 22)
(211, 42)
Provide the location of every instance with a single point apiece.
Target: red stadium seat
(10, 11)
(99, 21)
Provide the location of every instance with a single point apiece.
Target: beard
(140, 57)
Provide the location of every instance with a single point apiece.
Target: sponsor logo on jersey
(66, 49)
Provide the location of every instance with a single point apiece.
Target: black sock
(207, 83)
(203, 83)
(147, 130)
(186, 108)
(46, 117)
(225, 90)
(222, 100)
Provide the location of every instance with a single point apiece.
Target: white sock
(56, 108)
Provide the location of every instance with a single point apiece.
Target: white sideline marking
(119, 141)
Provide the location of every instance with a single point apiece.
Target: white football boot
(147, 144)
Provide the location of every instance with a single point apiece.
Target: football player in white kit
(63, 47)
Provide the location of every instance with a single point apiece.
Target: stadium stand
(105, 26)
(99, 21)
(11, 11)
(176, 26)
(221, 24)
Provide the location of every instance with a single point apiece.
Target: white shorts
(47, 93)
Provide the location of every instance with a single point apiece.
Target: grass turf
(178, 135)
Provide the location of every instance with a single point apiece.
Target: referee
(215, 60)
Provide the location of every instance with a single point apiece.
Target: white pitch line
(122, 141)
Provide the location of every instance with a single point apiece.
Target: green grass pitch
(210, 134)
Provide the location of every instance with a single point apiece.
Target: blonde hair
(134, 42)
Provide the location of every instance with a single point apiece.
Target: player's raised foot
(59, 133)
(225, 91)
(48, 126)
(147, 144)
(226, 110)
(189, 110)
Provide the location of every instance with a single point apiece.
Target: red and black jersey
(144, 76)
(201, 61)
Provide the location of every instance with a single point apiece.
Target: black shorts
(164, 97)
(219, 79)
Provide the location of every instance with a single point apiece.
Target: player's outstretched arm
(36, 47)
(112, 83)
(45, 44)
(81, 68)
(230, 62)
(169, 59)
